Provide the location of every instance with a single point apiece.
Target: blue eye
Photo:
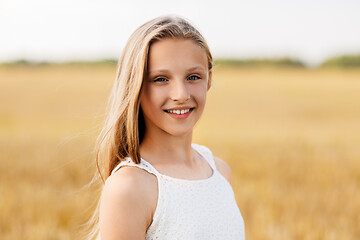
(160, 79)
(193, 77)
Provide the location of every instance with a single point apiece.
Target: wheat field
(291, 137)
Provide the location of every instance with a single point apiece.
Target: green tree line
(345, 61)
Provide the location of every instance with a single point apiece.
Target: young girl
(158, 184)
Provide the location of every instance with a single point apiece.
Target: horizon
(335, 61)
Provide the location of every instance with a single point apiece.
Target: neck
(163, 148)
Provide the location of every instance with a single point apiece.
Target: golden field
(291, 137)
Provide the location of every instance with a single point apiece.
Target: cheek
(200, 93)
(150, 97)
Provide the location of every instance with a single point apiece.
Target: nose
(179, 91)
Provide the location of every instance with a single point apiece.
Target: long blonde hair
(124, 125)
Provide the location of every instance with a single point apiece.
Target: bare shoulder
(223, 168)
(126, 206)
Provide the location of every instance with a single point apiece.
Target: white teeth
(183, 111)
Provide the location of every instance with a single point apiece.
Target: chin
(180, 132)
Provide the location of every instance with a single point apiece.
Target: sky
(87, 30)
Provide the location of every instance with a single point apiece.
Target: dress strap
(206, 153)
(143, 165)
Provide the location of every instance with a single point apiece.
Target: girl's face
(175, 86)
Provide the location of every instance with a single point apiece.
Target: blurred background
(284, 110)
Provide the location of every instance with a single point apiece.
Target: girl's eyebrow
(196, 68)
(187, 70)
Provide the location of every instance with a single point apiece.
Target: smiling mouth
(179, 111)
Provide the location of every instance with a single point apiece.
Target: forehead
(176, 54)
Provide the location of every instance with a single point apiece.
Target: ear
(209, 83)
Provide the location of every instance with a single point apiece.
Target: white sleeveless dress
(202, 209)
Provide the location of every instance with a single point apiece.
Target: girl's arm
(124, 211)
